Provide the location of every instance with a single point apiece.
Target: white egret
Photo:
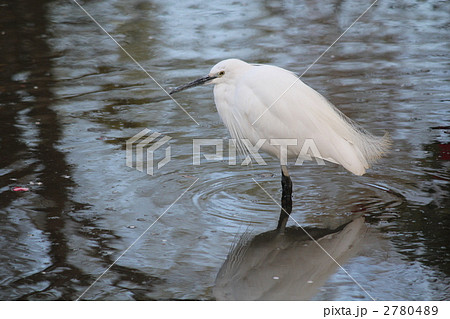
(258, 102)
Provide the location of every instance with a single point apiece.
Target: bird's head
(222, 72)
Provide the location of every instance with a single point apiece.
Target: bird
(265, 102)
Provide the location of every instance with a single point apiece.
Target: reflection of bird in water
(285, 266)
(265, 103)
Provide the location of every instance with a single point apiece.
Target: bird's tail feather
(367, 147)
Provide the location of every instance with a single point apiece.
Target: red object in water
(444, 152)
(20, 189)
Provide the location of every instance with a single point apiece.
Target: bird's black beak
(201, 81)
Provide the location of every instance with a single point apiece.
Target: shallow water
(70, 98)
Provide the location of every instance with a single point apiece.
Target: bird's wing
(271, 102)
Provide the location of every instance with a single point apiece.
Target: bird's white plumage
(243, 92)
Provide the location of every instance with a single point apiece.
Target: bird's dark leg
(286, 198)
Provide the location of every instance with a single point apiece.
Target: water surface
(70, 98)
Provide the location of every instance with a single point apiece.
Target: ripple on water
(234, 196)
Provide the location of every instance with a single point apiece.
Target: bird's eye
(221, 73)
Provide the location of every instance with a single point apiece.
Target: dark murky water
(70, 98)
